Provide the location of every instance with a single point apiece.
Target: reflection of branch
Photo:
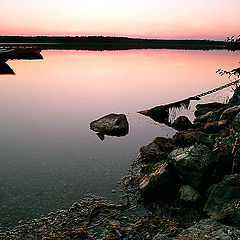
(5, 68)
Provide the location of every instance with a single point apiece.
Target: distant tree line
(114, 43)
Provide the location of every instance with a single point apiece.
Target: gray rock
(193, 164)
(112, 125)
(235, 100)
(158, 184)
(230, 113)
(189, 194)
(157, 150)
(181, 123)
(209, 229)
(202, 109)
(160, 236)
(236, 122)
(223, 203)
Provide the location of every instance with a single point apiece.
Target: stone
(202, 109)
(235, 100)
(190, 137)
(209, 229)
(181, 123)
(160, 236)
(230, 113)
(157, 150)
(213, 127)
(112, 125)
(158, 184)
(193, 164)
(236, 122)
(189, 194)
(223, 203)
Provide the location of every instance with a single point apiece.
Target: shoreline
(100, 43)
(198, 156)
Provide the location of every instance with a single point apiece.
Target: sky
(175, 19)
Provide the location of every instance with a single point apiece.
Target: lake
(50, 158)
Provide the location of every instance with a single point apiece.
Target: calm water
(49, 157)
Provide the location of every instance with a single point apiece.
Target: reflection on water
(50, 158)
(5, 69)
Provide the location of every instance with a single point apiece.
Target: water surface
(50, 158)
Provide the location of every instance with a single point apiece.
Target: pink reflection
(118, 81)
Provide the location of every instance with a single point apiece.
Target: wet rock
(202, 109)
(209, 229)
(181, 123)
(213, 127)
(230, 113)
(223, 203)
(189, 194)
(190, 137)
(193, 164)
(157, 150)
(236, 122)
(158, 184)
(235, 100)
(112, 125)
(161, 237)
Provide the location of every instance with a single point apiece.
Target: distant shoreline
(113, 43)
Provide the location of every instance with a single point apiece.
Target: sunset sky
(178, 19)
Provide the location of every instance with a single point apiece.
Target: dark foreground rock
(202, 109)
(193, 164)
(112, 125)
(209, 229)
(181, 123)
(158, 184)
(223, 203)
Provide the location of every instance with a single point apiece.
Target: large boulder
(158, 184)
(202, 109)
(209, 229)
(112, 125)
(223, 203)
(230, 113)
(181, 123)
(236, 122)
(235, 100)
(193, 164)
(157, 150)
(190, 137)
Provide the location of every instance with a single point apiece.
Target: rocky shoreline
(189, 186)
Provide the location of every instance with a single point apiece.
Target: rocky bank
(189, 186)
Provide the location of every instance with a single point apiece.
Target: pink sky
(180, 19)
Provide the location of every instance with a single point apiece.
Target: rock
(190, 137)
(157, 150)
(236, 122)
(230, 113)
(235, 100)
(223, 203)
(209, 229)
(193, 164)
(207, 107)
(160, 236)
(112, 125)
(213, 127)
(189, 194)
(158, 184)
(181, 123)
